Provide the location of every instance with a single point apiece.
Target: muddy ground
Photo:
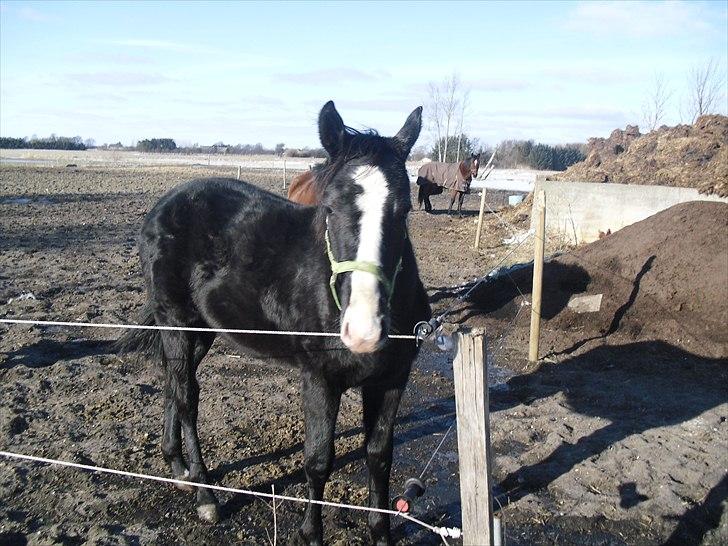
(615, 442)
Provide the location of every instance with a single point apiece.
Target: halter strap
(354, 265)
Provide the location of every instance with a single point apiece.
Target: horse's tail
(142, 341)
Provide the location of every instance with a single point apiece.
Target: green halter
(352, 265)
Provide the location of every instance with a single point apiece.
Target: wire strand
(432, 457)
(185, 328)
(92, 468)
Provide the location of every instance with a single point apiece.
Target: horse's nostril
(345, 331)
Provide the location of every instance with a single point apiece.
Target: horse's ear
(331, 129)
(408, 134)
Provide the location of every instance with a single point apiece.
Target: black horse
(224, 254)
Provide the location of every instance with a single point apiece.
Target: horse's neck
(305, 251)
(309, 227)
(464, 168)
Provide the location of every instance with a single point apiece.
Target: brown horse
(434, 177)
(303, 190)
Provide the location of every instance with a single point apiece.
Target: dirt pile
(664, 278)
(694, 156)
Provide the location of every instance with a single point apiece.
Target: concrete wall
(580, 210)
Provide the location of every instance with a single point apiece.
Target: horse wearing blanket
(434, 177)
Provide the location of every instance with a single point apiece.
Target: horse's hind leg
(427, 192)
(172, 438)
(428, 205)
(320, 406)
(421, 192)
(380, 410)
(183, 352)
(172, 435)
(453, 195)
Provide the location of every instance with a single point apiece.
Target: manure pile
(692, 156)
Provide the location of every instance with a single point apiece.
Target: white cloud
(119, 78)
(332, 75)
(112, 58)
(26, 13)
(592, 113)
(377, 104)
(638, 19)
(593, 75)
(161, 45)
(498, 85)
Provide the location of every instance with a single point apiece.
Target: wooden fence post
(470, 368)
(480, 219)
(284, 174)
(238, 172)
(539, 209)
(488, 169)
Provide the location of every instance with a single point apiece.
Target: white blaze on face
(361, 327)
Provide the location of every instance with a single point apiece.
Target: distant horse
(434, 177)
(225, 254)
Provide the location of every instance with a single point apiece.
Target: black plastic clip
(404, 503)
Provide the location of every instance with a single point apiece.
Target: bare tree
(655, 105)
(704, 89)
(446, 101)
(463, 108)
(435, 115)
(452, 86)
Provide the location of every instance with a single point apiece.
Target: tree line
(158, 145)
(52, 142)
(511, 154)
(280, 150)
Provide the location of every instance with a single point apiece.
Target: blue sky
(251, 72)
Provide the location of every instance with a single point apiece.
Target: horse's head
(365, 201)
(474, 164)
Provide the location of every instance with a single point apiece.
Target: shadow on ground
(637, 387)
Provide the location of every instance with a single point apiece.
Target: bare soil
(610, 439)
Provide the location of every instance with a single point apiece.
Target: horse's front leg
(380, 410)
(320, 407)
(461, 197)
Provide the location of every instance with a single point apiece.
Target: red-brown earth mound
(664, 278)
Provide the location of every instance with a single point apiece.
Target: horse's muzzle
(361, 333)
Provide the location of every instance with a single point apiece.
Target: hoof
(183, 486)
(208, 513)
(301, 539)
